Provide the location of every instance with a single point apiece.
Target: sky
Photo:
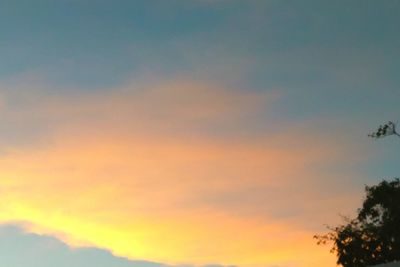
(190, 133)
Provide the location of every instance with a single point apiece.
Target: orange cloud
(166, 173)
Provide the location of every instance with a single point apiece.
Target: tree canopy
(373, 237)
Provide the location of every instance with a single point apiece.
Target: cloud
(171, 171)
(21, 249)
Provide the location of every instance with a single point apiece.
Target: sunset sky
(189, 133)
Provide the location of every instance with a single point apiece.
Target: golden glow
(131, 181)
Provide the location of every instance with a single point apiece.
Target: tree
(387, 129)
(373, 237)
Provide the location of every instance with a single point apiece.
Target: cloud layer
(173, 171)
(20, 249)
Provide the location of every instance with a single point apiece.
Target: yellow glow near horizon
(87, 198)
(130, 182)
(213, 238)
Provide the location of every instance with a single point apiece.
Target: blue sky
(238, 104)
(334, 57)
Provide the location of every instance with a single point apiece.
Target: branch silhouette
(387, 129)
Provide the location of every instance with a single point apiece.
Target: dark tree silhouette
(373, 237)
(385, 130)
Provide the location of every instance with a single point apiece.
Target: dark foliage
(385, 130)
(374, 236)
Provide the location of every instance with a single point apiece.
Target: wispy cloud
(169, 171)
